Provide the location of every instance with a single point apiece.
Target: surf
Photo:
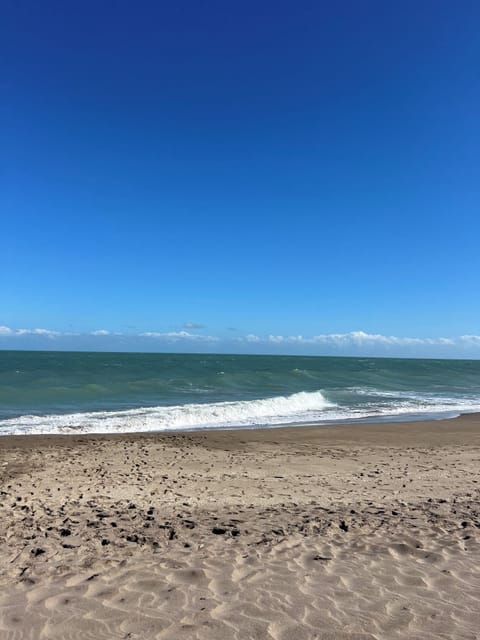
(297, 407)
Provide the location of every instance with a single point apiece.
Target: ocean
(64, 392)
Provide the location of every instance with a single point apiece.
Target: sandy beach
(354, 531)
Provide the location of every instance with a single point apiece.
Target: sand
(355, 531)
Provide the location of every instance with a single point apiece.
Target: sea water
(62, 392)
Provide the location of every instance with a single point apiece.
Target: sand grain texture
(363, 531)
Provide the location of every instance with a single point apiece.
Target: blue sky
(256, 176)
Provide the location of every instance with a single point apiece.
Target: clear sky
(256, 176)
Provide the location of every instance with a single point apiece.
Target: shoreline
(466, 423)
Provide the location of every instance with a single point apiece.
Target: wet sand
(354, 531)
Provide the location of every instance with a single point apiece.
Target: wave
(355, 404)
(298, 407)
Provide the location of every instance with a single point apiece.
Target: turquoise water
(61, 392)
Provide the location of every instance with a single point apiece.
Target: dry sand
(363, 531)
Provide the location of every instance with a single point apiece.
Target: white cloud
(175, 336)
(48, 333)
(193, 325)
(6, 331)
(355, 341)
(289, 340)
(361, 338)
(470, 340)
(251, 338)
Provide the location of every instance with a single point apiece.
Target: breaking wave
(296, 408)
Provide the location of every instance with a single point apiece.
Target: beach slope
(353, 531)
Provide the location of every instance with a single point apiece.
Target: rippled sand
(365, 531)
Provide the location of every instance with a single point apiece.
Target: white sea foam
(298, 408)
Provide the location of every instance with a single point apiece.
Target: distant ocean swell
(48, 392)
